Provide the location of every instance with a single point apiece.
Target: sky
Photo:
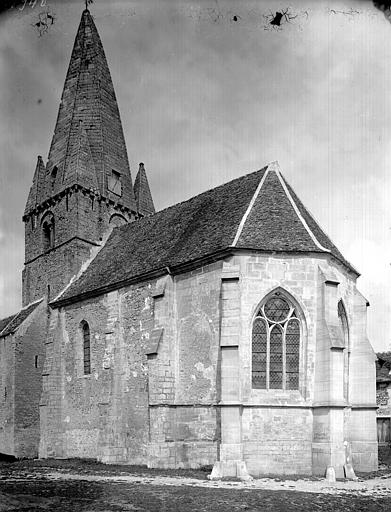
(209, 91)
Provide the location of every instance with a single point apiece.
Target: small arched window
(85, 329)
(117, 220)
(276, 336)
(48, 232)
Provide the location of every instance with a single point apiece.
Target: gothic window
(276, 345)
(115, 185)
(48, 232)
(343, 321)
(86, 347)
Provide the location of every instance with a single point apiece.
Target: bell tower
(85, 186)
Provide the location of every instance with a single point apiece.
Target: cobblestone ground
(77, 486)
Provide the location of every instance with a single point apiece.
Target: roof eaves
(171, 270)
(58, 302)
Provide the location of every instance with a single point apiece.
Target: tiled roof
(10, 324)
(5, 321)
(256, 211)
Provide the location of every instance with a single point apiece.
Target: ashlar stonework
(226, 330)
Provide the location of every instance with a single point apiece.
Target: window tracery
(276, 337)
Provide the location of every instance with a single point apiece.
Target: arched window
(276, 345)
(343, 321)
(86, 347)
(48, 232)
(117, 220)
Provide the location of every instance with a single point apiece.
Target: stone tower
(86, 187)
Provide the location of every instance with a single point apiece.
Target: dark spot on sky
(39, 101)
(277, 19)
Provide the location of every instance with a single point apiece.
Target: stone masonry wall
(7, 394)
(291, 426)
(104, 414)
(183, 374)
(29, 360)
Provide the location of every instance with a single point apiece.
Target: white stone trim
(249, 208)
(301, 218)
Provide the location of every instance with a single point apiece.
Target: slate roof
(256, 211)
(10, 324)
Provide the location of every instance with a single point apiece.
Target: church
(224, 331)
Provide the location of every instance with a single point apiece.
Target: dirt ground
(75, 485)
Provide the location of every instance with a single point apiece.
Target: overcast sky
(209, 91)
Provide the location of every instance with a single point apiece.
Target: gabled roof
(257, 211)
(9, 325)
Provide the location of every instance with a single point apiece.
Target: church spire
(88, 127)
(85, 189)
(142, 193)
(35, 190)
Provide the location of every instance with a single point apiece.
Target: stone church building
(226, 330)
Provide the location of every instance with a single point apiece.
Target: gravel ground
(90, 486)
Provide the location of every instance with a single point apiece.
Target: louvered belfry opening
(276, 345)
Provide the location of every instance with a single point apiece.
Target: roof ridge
(193, 198)
(250, 206)
(297, 211)
(30, 304)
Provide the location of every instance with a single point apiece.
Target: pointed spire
(142, 192)
(89, 100)
(34, 196)
(81, 168)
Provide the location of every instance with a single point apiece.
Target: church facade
(224, 331)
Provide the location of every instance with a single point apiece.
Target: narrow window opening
(36, 361)
(53, 176)
(86, 348)
(48, 233)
